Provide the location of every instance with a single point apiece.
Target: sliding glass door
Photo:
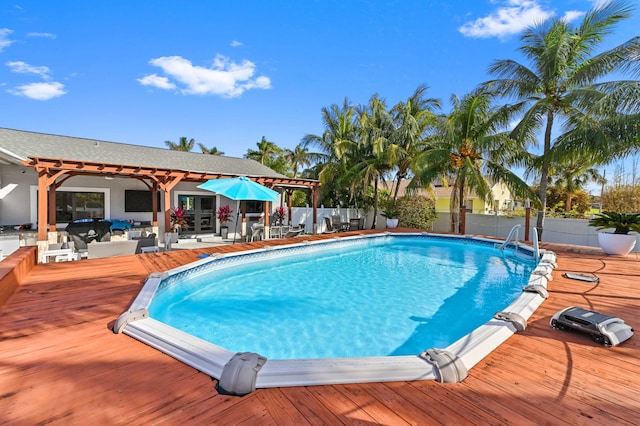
(200, 212)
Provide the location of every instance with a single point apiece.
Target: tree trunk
(453, 210)
(544, 175)
(375, 203)
(399, 178)
(461, 205)
(568, 206)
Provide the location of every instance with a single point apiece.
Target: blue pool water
(380, 297)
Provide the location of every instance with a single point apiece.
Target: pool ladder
(514, 234)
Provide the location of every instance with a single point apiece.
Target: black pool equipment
(603, 329)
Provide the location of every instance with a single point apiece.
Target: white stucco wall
(19, 185)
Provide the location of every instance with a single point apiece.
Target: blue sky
(227, 73)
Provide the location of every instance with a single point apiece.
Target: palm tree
(265, 153)
(470, 148)
(371, 157)
(182, 145)
(412, 120)
(298, 158)
(212, 151)
(268, 154)
(338, 139)
(571, 175)
(563, 83)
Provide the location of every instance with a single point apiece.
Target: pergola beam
(50, 169)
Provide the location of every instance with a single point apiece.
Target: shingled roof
(17, 146)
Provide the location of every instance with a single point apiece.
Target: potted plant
(279, 215)
(391, 212)
(178, 222)
(620, 241)
(224, 216)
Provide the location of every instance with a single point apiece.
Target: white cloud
(236, 43)
(572, 15)
(41, 35)
(156, 81)
(510, 19)
(4, 40)
(224, 78)
(600, 3)
(39, 91)
(24, 68)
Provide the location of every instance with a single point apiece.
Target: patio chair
(330, 228)
(337, 222)
(257, 232)
(111, 248)
(145, 243)
(354, 224)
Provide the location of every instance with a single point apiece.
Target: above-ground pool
(355, 309)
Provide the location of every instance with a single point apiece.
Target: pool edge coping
(212, 359)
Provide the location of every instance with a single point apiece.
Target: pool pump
(604, 329)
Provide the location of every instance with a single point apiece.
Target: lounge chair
(294, 233)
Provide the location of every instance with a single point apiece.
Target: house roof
(18, 147)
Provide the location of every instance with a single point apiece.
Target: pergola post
(42, 205)
(314, 200)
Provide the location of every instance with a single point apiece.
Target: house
(503, 199)
(48, 181)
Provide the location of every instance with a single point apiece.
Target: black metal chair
(330, 228)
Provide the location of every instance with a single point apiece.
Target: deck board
(56, 348)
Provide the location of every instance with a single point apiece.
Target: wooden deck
(61, 364)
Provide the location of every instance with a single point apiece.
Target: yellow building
(503, 200)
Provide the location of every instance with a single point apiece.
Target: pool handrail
(515, 230)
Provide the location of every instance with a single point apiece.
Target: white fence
(304, 215)
(563, 231)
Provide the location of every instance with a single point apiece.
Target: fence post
(527, 222)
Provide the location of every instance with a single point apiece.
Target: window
(468, 203)
(72, 206)
(255, 206)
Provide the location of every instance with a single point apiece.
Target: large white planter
(617, 244)
(392, 223)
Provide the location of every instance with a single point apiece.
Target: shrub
(416, 211)
(621, 198)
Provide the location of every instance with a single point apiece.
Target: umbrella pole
(237, 219)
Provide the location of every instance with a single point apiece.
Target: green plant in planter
(622, 222)
(390, 211)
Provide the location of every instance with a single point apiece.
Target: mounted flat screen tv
(139, 200)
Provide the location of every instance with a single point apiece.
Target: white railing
(513, 235)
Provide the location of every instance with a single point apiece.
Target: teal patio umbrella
(240, 188)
